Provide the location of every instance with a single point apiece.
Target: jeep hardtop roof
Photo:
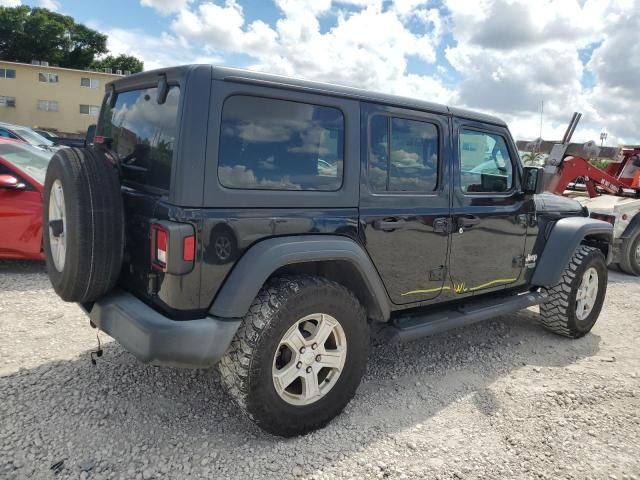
(279, 81)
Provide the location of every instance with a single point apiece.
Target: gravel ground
(503, 399)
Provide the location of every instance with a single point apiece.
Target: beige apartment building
(51, 98)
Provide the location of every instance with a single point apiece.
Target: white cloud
(9, 3)
(165, 7)
(156, 52)
(506, 57)
(369, 47)
(52, 5)
(513, 55)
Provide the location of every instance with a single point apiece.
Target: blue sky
(500, 56)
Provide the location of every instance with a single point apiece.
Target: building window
(48, 77)
(6, 101)
(48, 105)
(89, 82)
(7, 73)
(89, 109)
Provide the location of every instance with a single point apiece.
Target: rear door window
(407, 163)
(143, 133)
(270, 144)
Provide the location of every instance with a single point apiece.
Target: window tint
(280, 145)
(484, 162)
(409, 163)
(143, 134)
(379, 153)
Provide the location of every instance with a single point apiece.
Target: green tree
(121, 62)
(39, 34)
(533, 158)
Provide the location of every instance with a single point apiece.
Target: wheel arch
(565, 236)
(338, 258)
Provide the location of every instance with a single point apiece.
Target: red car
(22, 171)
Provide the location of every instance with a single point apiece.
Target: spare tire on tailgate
(83, 224)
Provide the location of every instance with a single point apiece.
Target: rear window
(143, 133)
(270, 144)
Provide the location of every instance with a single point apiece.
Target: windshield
(32, 137)
(30, 160)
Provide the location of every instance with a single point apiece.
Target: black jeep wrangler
(263, 223)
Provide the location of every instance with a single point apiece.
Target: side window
(379, 153)
(269, 144)
(485, 164)
(407, 163)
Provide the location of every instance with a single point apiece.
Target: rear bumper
(153, 338)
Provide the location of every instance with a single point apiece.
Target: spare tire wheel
(83, 227)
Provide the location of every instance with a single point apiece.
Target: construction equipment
(570, 161)
(612, 195)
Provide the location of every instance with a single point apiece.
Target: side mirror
(9, 182)
(532, 180)
(89, 137)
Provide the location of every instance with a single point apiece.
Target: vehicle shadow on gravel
(123, 416)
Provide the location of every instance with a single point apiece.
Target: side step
(412, 326)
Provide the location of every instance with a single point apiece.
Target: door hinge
(441, 225)
(438, 274)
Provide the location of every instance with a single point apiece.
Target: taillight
(605, 218)
(189, 248)
(173, 247)
(159, 247)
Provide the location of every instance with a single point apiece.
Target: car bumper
(153, 338)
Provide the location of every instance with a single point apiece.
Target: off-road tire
(558, 313)
(628, 260)
(94, 229)
(246, 367)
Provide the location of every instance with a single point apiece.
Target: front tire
(575, 303)
(299, 356)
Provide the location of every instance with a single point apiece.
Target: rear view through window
(143, 133)
(280, 145)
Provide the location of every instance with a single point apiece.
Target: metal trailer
(612, 195)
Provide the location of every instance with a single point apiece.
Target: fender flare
(265, 257)
(565, 236)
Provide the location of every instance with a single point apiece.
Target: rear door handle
(468, 221)
(388, 225)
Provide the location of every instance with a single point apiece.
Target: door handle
(388, 225)
(468, 221)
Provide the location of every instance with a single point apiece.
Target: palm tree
(533, 158)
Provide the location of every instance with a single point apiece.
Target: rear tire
(565, 312)
(630, 255)
(252, 367)
(89, 222)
